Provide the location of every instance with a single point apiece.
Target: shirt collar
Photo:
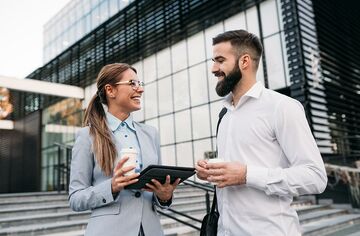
(254, 92)
(114, 122)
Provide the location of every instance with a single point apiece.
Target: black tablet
(159, 172)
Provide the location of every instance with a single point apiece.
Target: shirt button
(122, 124)
(126, 136)
(137, 194)
(104, 200)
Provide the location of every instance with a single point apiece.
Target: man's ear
(244, 62)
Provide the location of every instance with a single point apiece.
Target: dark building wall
(20, 156)
(338, 30)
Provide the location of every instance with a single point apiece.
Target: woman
(97, 181)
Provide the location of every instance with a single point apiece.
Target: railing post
(67, 168)
(207, 196)
(58, 169)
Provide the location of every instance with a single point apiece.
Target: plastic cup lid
(128, 150)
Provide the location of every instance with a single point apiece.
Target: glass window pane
(274, 62)
(201, 122)
(212, 81)
(252, 21)
(184, 154)
(139, 70)
(178, 55)
(196, 48)
(167, 129)
(200, 147)
(235, 22)
(153, 123)
(150, 94)
(181, 90)
(168, 155)
(210, 33)
(114, 7)
(165, 96)
(269, 18)
(198, 85)
(104, 11)
(149, 69)
(183, 126)
(163, 63)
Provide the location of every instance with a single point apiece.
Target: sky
(21, 34)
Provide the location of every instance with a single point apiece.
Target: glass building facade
(75, 20)
(169, 43)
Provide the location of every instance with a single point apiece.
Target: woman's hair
(103, 146)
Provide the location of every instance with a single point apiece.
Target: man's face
(226, 68)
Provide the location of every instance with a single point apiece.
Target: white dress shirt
(269, 133)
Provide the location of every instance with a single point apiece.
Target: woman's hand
(119, 181)
(164, 191)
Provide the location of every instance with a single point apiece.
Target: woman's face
(124, 95)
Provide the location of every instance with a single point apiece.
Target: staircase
(49, 214)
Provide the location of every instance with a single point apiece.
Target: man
(269, 153)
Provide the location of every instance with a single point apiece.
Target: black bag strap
(221, 115)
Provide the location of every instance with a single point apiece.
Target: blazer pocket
(112, 209)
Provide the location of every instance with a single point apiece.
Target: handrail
(179, 220)
(205, 187)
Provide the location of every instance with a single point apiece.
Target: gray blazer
(90, 189)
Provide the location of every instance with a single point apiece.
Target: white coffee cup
(132, 154)
(215, 160)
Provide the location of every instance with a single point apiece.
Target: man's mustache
(219, 73)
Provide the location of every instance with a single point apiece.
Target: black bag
(209, 224)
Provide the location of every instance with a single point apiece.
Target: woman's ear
(109, 90)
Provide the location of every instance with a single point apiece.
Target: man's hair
(243, 42)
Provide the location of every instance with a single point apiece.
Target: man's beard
(227, 84)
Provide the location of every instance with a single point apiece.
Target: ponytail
(103, 145)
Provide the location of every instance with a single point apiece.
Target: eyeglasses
(135, 84)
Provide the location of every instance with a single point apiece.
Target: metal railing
(61, 177)
(61, 173)
(205, 187)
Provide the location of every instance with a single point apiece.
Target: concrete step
(70, 233)
(40, 229)
(43, 218)
(20, 197)
(303, 209)
(34, 210)
(167, 222)
(352, 230)
(330, 225)
(182, 231)
(321, 214)
(32, 202)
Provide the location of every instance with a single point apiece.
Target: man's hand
(164, 191)
(201, 171)
(226, 173)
